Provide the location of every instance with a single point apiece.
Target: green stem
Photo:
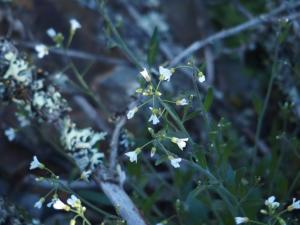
(293, 185)
(92, 206)
(265, 105)
(121, 43)
(87, 90)
(70, 38)
(256, 222)
(221, 189)
(176, 118)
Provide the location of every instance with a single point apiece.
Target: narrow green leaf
(208, 99)
(191, 115)
(285, 32)
(201, 159)
(153, 47)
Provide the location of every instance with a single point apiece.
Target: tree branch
(77, 54)
(115, 142)
(119, 198)
(232, 31)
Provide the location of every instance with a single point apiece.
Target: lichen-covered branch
(121, 201)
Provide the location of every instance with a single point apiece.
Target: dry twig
(197, 45)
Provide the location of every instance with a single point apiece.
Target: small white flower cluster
(272, 206)
(73, 202)
(43, 50)
(271, 203)
(80, 144)
(181, 142)
(164, 75)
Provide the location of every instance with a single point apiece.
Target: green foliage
(153, 47)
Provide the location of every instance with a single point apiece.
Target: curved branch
(197, 45)
(115, 142)
(120, 200)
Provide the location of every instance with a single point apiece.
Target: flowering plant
(179, 145)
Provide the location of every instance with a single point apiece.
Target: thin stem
(221, 189)
(70, 38)
(256, 222)
(265, 105)
(92, 206)
(87, 90)
(293, 185)
(121, 43)
(176, 118)
(148, 143)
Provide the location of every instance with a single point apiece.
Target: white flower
(239, 220)
(294, 205)
(59, 205)
(181, 142)
(182, 102)
(42, 50)
(270, 202)
(131, 113)
(53, 200)
(133, 155)
(153, 117)
(74, 24)
(39, 203)
(201, 77)
(51, 32)
(74, 201)
(165, 74)
(10, 134)
(146, 75)
(36, 164)
(153, 151)
(175, 161)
